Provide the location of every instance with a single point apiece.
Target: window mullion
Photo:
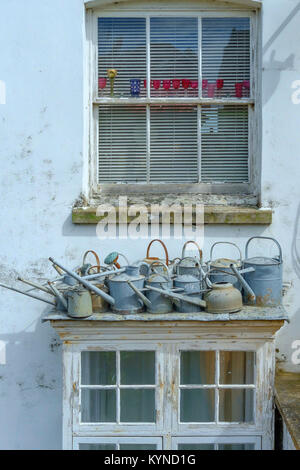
(200, 57)
(148, 131)
(199, 112)
(148, 90)
(118, 372)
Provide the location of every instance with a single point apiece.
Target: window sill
(224, 213)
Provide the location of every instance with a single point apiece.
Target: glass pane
(138, 447)
(98, 406)
(98, 368)
(122, 46)
(197, 406)
(237, 367)
(224, 144)
(197, 367)
(195, 447)
(236, 406)
(137, 406)
(97, 447)
(226, 57)
(174, 144)
(122, 144)
(137, 367)
(174, 56)
(236, 447)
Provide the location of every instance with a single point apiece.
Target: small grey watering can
(190, 286)
(79, 302)
(264, 276)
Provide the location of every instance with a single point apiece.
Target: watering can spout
(251, 295)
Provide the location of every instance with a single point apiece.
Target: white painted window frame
(91, 186)
(167, 362)
(117, 441)
(256, 440)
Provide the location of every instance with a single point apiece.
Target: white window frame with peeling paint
(236, 9)
(168, 430)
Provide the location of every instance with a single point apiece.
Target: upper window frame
(92, 101)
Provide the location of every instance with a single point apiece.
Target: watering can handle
(160, 263)
(96, 258)
(164, 247)
(198, 247)
(224, 243)
(264, 238)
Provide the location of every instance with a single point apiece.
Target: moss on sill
(213, 214)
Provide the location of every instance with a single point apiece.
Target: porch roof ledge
(213, 214)
(287, 396)
(248, 313)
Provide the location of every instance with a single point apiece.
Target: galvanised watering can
(221, 266)
(264, 276)
(189, 264)
(126, 299)
(159, 303)
(191, 287)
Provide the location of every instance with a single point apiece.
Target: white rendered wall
(41, 154)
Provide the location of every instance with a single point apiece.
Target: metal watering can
(85, 283)
(188, 264)
(125, 289)
(159, 303)
(190, 285)
(149, 259)
(221, 266)
(264, 276)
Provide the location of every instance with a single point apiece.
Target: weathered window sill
(213, 214)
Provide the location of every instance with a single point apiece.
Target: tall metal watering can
(221, 266)
(265, 277)
(125, 288)
(159, 303)
(189, 264)
(149, 259)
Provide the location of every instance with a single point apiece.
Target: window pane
(98, 406)
(137, 367)
(138, 447)
(137, 406)
(226, 57)
(197, 367)
(197, 406)
(236, 447)
(97, 447)
(237, 367)
(224, 144)
(98, 368)
(195, 447)
(174, 56)
(173, 144)
(122, 46)
(236, 406)
(122, 144)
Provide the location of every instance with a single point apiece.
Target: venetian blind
(224, 144)
(166, 143)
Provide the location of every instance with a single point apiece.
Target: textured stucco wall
(41, 154)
